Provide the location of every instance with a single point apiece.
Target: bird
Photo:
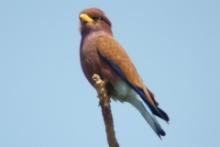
(102, 54)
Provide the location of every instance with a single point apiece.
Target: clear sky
(45, 101)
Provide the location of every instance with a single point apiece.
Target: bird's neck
(87, 31)
(86, 34)
(90, 34)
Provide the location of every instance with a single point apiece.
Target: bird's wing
(115, 56)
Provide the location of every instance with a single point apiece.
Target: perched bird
(101, 54)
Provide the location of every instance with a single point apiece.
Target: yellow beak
(86, 18)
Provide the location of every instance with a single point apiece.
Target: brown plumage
(100, 53)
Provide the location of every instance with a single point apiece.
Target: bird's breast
(92, 63)
(89, 58)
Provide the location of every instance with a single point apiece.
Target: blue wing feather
(157, 111)
(120, 73)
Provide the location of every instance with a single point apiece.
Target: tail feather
(155, 109)
(148, 98)
(165, 116)
(147, 116)
(160, 113)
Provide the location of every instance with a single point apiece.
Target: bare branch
(106, 110)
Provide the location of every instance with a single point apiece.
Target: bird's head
(94, 19)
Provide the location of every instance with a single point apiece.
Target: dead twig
(106, 110)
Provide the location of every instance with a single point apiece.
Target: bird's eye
(98, 18)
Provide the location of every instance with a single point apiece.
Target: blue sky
(45, 100)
